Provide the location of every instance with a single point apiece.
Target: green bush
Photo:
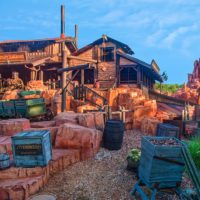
(171, 88)
(134, 155)
(194, 148)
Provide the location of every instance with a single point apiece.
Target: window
(107, 54)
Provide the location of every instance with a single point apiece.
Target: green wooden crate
(30, 107)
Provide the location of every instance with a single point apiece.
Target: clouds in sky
(153, 28)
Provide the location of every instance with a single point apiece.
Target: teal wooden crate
(32, 148)
(160, 164)
(167, 130)
(1, 109)
(8, 108)
(30, 107)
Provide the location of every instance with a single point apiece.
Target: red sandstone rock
(5, 144)
(66, 117)
(149, 126)
(48, 96)
(11, 95)
(86, 120)
(81, 109)
(75, 104)
(20, 189)
(12, 126)
(43, 124)
(53, 132)
(99, 120)
(77, 137)
(161, 116)
(20, 183)
(152, 104)
(36, 85)
(139, 113)
(61, 158)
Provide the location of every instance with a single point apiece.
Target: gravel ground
(102, 178)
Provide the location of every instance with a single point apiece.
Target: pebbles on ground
(103, 178)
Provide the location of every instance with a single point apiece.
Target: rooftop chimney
(76, 34)
(62, 21)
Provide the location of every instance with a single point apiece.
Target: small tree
(164, 76)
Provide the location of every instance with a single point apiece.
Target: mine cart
(27, 108)
(161, 166)
(7, 109)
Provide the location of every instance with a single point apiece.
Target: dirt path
(98, 179)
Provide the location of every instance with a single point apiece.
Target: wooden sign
(12, 57)
(28, 149)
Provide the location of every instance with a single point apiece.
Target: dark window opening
(88, 76)
(107, 54)
(128, 75)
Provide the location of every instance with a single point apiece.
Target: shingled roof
(147, 67)
(105, 38)
(39, 43)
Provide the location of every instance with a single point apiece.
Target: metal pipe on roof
(62, 21)
(76, 34)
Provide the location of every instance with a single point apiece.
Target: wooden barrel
(4, 161)
(113, 134)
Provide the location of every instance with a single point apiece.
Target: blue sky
(167, 31)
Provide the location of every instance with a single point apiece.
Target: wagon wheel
(49, 114)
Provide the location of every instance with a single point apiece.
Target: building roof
(39, 43)
(147, 67)
(105, 38)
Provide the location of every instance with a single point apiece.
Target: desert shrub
(194, 148)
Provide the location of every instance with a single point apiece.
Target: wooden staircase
(83, 93)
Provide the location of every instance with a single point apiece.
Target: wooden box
(30, 107)
(32, 148)
(167, 130)
(162, 165)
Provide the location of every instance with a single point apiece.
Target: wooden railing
(34, 55)
(82, 93)
(168, 99)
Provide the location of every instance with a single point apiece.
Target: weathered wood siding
(124, 61)
(105, 70)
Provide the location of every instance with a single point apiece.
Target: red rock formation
(87, 140)
(12, 126)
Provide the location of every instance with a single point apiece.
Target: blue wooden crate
(32, 148)
(167, 130)
(161, 165)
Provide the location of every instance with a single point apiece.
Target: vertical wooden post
(109, 113)
(82, 76)
(32, 75)
(41, 75)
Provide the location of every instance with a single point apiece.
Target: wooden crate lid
(32, 134)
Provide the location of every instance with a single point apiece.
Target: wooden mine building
(113, 61)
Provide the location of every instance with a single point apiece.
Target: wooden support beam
(82, 77)
(85, 66)
(82, 59)
(40, 61)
